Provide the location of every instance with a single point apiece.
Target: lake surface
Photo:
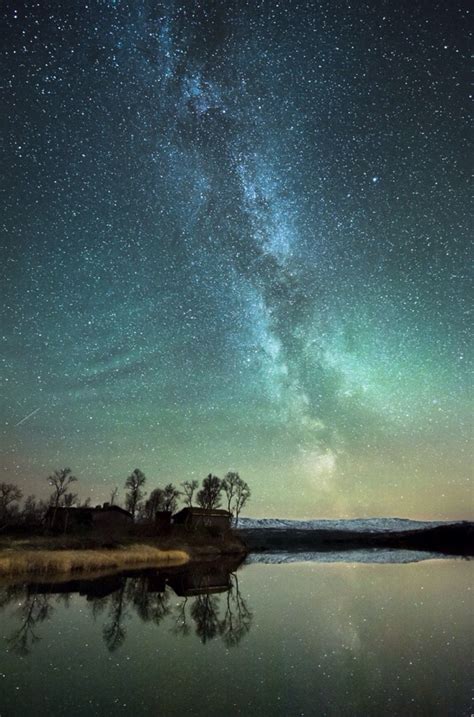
(284, 639)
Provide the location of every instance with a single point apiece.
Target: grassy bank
(66, 555)
(18, 561)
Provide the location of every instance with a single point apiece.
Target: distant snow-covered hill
(346, 556)
(362, 525)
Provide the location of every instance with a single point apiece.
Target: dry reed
(14, 562)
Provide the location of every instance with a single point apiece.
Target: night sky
(237, 239)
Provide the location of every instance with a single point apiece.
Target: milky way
(237, 238)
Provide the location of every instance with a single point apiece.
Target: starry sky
(236, 238)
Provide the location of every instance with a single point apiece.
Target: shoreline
(82, 556)
(450, 539)
(42, 555)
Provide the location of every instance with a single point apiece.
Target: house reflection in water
(200, 580)
(148, 593)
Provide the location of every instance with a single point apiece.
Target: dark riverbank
(70, 554)
(54, 555)
(449, 539)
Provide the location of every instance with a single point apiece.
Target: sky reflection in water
(287, 639)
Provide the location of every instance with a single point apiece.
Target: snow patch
(344, 556)
(362, 525)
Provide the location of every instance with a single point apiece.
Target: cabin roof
(213, 512)
(89, 509)
(114, 509)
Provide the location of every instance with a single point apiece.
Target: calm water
(267, 639)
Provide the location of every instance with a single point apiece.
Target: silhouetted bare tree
(209, 496)
(189, 488)
(229, 486)
(33, 510)
(134, 485)
(170, 496)
(69, 499)
(154, 504)
(113, 496)
(161, 499)
(60, 482)
(9, 495)
(237, 493)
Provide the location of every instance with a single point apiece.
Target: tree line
(230, 492)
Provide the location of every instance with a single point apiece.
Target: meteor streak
(27, 417)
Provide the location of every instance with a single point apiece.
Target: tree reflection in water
(205, 613)
(181, 625)
(231, 623)
(211, 603)
(33, 609)
(149, 606)
(114, 631)
(237, 618)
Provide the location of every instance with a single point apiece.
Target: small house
(107, 518)
(193, 518)
(162, 520)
